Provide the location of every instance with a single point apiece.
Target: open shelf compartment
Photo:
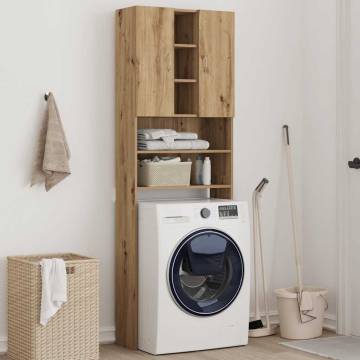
(186, 62)
(218, 131)
(215, 130)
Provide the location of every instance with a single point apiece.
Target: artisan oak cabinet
(182, 61)
(175, 70)
(216, 63)
(154, 61)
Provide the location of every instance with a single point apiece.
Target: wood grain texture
(126, 147)
(216, 63)
(186, 63)
(154, 61)
(185, 27)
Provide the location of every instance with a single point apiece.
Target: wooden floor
(258, 349)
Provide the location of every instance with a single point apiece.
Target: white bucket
(291, 326)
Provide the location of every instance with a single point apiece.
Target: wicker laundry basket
(71, 334)
(159, 173)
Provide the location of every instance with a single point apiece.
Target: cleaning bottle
(198, 170)
(206, 171)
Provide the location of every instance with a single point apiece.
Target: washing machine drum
(206, 272)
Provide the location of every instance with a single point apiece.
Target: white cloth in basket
(54, 288)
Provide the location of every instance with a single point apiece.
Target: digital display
(228, 211)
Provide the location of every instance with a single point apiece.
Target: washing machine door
(206, 272)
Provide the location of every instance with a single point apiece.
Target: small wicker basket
(71, 334)
(161, 174)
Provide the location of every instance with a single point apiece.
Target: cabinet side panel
(155, 61)
(216, 63)
(126, 226)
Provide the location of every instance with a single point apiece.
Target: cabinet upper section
(176, 62)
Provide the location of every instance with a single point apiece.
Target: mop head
(256, 324)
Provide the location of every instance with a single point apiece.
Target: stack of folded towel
(169, 139)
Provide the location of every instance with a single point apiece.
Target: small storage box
(71, 334)
(160, 173)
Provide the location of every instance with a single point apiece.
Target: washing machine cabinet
(193, 275)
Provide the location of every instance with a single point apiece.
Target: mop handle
(293, 207)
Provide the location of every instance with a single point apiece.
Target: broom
(257, 322)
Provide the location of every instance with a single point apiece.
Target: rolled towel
(54, 288)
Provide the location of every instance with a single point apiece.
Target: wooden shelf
(185, 115)
(184, 81)
(183, 187)
(184, 151)
(185, 46)
(185, 11)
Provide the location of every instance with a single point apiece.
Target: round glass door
(206, 272)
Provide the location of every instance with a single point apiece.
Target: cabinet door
(155, 61)
(216, 63)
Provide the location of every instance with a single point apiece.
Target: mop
(256, 327)
(293, 210)
(305, 297)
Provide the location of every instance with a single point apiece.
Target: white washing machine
(194, 264)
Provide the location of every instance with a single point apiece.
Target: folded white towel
(165, 134)
(176, 145)
(186, 136)
(155, 134)
(54, 288)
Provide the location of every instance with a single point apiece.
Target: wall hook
(46, 96)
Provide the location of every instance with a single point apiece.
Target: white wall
(68, 47)
(319, 147)
(269, 94)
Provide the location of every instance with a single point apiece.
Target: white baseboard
(3, 345)
(106, 336)
(329, 320)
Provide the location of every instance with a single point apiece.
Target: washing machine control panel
(228, 211)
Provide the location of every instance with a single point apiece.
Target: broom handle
(293, 208)
(255, 232)
(265, 292)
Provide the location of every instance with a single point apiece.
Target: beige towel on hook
(51, 164)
